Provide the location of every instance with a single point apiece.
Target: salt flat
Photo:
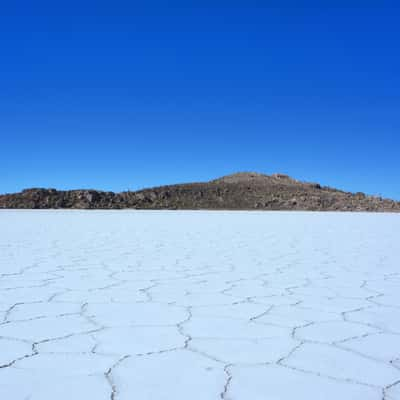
(175, 305)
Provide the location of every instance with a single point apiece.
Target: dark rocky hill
(241, 191)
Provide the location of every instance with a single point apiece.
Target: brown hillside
(241, 191)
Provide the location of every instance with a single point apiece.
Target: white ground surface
(125, 305)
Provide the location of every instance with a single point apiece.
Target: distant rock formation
(241, 191)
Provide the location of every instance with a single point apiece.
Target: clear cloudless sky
(120, 95)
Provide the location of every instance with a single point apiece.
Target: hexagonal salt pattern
(199, 305)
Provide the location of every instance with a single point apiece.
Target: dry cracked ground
(173, 305)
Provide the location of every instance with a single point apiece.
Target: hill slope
(241, 191)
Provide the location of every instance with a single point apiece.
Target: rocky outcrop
(241, 191)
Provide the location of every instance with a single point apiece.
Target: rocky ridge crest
(240, 191)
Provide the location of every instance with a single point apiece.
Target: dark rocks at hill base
(241, 191)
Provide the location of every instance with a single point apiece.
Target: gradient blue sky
(116, 95)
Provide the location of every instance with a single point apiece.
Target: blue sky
(123, 95)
